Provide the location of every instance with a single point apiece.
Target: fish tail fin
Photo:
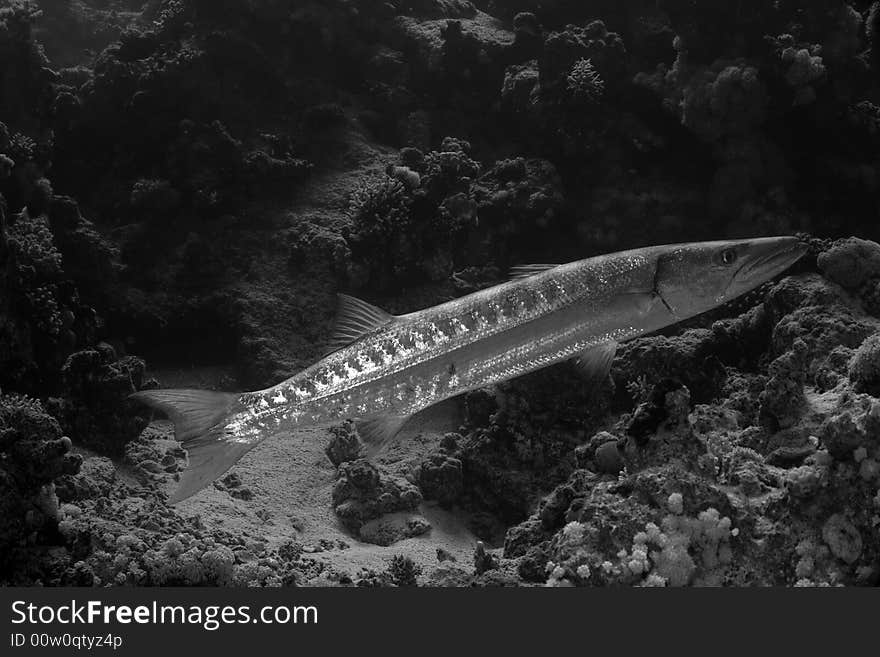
(200, 423)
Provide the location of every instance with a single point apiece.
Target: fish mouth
(771, 256)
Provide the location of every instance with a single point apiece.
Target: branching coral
(379, 212)
(584, 83)
(402, 571)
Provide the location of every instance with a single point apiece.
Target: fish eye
(728, 256)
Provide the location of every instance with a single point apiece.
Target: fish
(382, 369)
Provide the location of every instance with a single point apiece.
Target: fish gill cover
(185, 185)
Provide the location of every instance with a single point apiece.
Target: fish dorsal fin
(354, 319)
(595, 362)
(376, 432)
(524, 271)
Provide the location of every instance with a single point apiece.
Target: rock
(609, 459)
(71, 511)
(483, 560)
(362, 493)
(150, 466)
(842, 538)
(391, 528)
(232, 484)
(444, 555)
(652, 413)
(864, 368)
(345, 445)
(441, 479)
(788, 456)
(552, 508)
(854, 423)
(782, 400)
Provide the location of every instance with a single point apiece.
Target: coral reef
(185, 185)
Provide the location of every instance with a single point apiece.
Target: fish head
(693, 278)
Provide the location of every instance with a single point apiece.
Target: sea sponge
(864, 367)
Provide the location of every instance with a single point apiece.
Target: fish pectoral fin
(524, 271)
(595, 362)
(376, 432)
(354, 319)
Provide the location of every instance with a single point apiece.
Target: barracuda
(384, 368)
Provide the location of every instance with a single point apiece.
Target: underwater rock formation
(363, 493)
(699, 493)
